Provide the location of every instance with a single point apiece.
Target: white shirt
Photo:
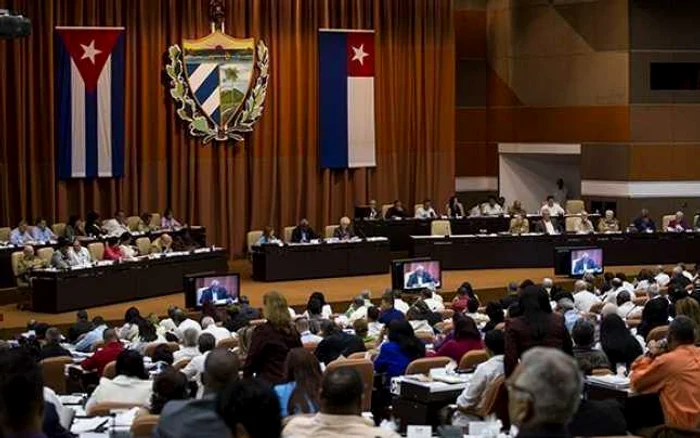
(629, 310)
(186, 353)
(81, 258)
(555, 209)
(309, 338)
(584, 300)
(433, 304)
(114, 228)
(333, 426)
(374, 328)
(128, 252)
(422, 326)
(487, 210)
(326, 312)
(219, 333)
(401, 305)
(662, 279)
(549, 227)
(196, 366)
(422, 213)
(121, 389)
(359, 313)
(484, 374)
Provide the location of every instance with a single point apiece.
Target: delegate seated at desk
(420, 277)
(678, 224)
(215, 293)
(426, 211)
(268, 236)
(20, 235)
(396, 211)
(585, 264)
(60, 258)
(41, 232)
(303, 233)
(554, 208)
(79, 255)
(344, 231)
(644, 224)
(454, 208)
(547, 225)
(491, 207)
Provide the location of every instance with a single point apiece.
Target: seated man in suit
(41, 232)
(60, 258)
(644, 223)
(303, 233)
(554, 208)
(344, 231)
(678, 224)
(585, 264)
(162, 245)
(373, 213)
(426, 211)
(21, 235)
(28, 262)
(585, 226)
(547, 225)
(396, 211)
(519, 225)
(419, 277)
(215, 293)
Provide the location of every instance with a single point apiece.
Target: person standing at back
(537, 326)
(561, 193)
(272, 341)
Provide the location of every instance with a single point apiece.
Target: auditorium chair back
(570, 223)
(330, 229)
(144, 245)
(416, 207)
(288, 234)
(228, 343)
(366, 370)
(667, 220)
(45, 254)
(5, 234)
(144, 425)
(155, 220)
(110, 370)
(252, 238)
(58, 229)
(657, 334)
(97, 250)
(132, 222)
(574, 206)
(181, 364)
(53, 371)
(425, 364)
(440, 228)
(106, 408)
(14, 259)
(472, 359)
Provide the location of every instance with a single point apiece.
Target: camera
(13, 26)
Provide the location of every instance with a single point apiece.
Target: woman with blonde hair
(272, 341)
(690, 308)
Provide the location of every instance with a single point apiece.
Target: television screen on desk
(220, 290)
(575, 261)
(414, 274)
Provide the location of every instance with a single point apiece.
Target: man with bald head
(344, 230)
(162, 245)
(187, 418)
(341, 411)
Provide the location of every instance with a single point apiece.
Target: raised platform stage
(489, 284)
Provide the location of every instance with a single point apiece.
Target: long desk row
(399, 232)
(7, 277)
(537, 251)
(307, 261)
(55, 291)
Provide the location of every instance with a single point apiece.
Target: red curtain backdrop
(271, 178)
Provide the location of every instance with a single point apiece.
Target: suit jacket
(581, 265)
(212, 294)
(78, 329)
(599, 418)
(393, 212)
(187, 418)
(331, 347)
(519, 339)
(343, 235)
(297, 234)
(53, 350)
(414, 278)
(541, 228)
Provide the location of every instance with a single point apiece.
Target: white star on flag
(360, 54)
(90, 51)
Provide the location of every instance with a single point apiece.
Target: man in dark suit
(215, 293)
(344, 230)
(82, 325)
(373, 213)
(547, 225)
(52, 347)
(303, 233)
(419, 277)
(585, 264)
(396, 211)
(644, 223)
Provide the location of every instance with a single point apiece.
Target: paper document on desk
(82, 425)
(71, 399)
(611, 380)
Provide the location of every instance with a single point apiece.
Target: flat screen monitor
(414, 274)
(585, 261)
(219, 289)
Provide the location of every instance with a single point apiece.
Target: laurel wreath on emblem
(199, 124)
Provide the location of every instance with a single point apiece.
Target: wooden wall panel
(664, 162)
(607, 162)
(470, 125)
(476, 159)
(470, 33)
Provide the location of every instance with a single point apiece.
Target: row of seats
(573, 206)
(59, 228)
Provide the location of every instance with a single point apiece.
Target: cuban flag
(90, 84)
(346, 99)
